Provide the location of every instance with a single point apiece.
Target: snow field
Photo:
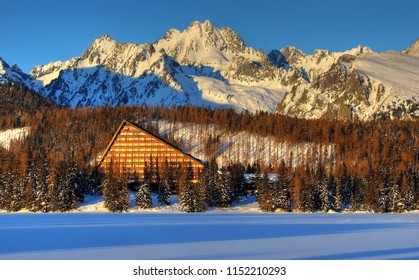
(238, 232)
(211, 235)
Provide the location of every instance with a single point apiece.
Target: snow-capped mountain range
(204, 65)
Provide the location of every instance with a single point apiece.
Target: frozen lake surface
(211, 235)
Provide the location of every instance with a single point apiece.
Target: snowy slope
(241, 147)
(10, 135)
(313, 65)
(396, 73)
(368, 86)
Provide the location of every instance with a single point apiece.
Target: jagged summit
(15, 75)
(3, 66)
(106, 37)
(413, 49)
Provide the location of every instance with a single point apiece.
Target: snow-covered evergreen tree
(43, 194)
(264, 192)
(410, 192)
(187, 200)
(200, 199)
(2, 191)
(148, 172)
(235, 172)
(225, 191)
(308, 203)
(193, 197)
(164, 193)
(282, 193)
(338, 194)
(144, 200)
(322, 187)
(30, 195)
(165, 185)
(398, 199)
(116, 195)
(384, 190)
(17, 202)
(210, 179)
(66, 198)
(8, 191)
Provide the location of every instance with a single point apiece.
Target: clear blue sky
(37, 32)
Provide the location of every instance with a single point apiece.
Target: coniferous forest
(350, 165)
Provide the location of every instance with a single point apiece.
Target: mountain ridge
(207, 66)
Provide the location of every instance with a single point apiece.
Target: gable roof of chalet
(125, 122)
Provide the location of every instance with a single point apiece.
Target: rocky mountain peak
(102, 44)
(318, 53)
(413, 49)
(233, 40)
(106, 38)
(172, 32)
(16, 75)
(3, 66)
(292, 54)
(360, 50)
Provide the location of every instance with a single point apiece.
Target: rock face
(207, 66)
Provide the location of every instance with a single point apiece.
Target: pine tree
(338, 194)
(236, 173)
(225, 191)
(52, 184)
(163, 191)
(186, 193)
(200, 197)
(398, 201)
(211, 180)
(384, 190)
(8, 191)
(410, 192)
(30, 195)
(144, 200)
(2, 191)
(43, 194)
(66, 198)
(322, 187)
(282, 195)
(187, 201)
(308, 203)
(110, 190)
(148, 172)
(296, 188)
(17, 202)
(307, 198)
(324, 195)
(115, 191)
(264, 192)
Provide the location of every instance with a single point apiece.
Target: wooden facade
(132, 148)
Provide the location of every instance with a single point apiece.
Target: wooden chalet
(132, 148)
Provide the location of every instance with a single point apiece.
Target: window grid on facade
(132, 147)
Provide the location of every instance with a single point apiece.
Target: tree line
(370, 166)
